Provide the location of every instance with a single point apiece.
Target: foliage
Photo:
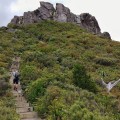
(105, 61)
(39, 88)
(4, 86)
(7, 109)
(82, 80)
(28, 73)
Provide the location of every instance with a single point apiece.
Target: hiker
(15, 79)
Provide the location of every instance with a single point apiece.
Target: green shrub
(6, 77)
(10, 25)
(88, 55)
(40, 37)
(57, 110)
(52, 39)
(42, 59)
(78, 112)
(28, 73)
(7, 109)
(42, 106)
(37, 88)
(4, 86)
(67, 62)
(105, 61)
(82, 80)
(2, 70)
(51, 103)
(8, 114)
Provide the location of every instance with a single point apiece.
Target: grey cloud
(5, 12)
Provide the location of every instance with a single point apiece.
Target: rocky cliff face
(60, 14)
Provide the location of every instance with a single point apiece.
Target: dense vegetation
(7, 104)
(61, 67)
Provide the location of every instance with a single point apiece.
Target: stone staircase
(23, 108)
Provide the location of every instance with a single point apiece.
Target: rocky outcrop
(15, 20)
(63, 14)
(28, 17)
(105, 35)
(60, 14)
(89, 23)
(45, 12)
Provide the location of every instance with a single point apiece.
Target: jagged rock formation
(63, 14)
(45, 12)
(60, 14)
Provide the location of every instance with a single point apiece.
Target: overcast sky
(105, 11)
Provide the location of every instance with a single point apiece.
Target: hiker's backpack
(16, 75)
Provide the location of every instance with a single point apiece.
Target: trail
(23, 108)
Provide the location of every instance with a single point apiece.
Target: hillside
(52, 54)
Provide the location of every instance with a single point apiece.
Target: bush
(37, 88)
(7, 109)
(51, 103)
(10, 25)
(28, 73)
(42, 59)
(2, 70)
(79, 112)
(105, 61)
(4, 86)
(82, 80)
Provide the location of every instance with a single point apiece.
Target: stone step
(20, 99)
(32, 119)
(28, 115)
(25, 109)
(21, 105)
(15, 94)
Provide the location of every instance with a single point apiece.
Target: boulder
(105, 35)
(90, 23)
